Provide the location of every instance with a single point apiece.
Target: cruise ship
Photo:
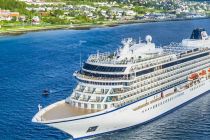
(134, 85)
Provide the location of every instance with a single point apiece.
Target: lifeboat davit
(202, 73)
(193, 76)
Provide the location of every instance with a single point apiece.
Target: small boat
(45, 92)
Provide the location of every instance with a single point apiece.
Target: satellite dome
(148, 38)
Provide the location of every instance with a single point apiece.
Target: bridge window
(92, 106)
(103, 68)
(85, 105)
(98, 106)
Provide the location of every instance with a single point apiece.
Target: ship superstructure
(133, 85)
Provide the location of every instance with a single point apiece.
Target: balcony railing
(82, 76)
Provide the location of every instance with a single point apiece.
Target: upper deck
(132, 53)
(134, 57)
(108, 59)
(132, 60)
(129, 53)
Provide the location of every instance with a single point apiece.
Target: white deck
(61, 110)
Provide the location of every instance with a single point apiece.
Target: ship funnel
(199, 33)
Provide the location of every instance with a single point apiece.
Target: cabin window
(92, 106)
(73, 103)
(79, 104)
(85, 105)
(105, 106)
(98, 106)
(184, 60)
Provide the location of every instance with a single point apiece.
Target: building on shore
(36, 20)
(7, 15)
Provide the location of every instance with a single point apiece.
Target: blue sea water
(32, 62)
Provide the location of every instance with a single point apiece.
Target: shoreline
(23, 30)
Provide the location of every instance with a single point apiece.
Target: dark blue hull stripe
(146, 122)
(121, 106)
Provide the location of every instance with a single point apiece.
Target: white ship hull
(130, 115)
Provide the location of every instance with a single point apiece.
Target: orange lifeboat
(209, 70)
(193, 76)
(202, 73)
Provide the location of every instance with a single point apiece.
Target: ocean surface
(32, 62)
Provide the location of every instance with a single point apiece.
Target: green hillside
(14, 5)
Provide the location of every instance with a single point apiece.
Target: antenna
(80, 43)
(80, 59)
(80, 55)
(97, 54)
(139, 39)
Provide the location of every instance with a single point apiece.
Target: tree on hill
(14, 5)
